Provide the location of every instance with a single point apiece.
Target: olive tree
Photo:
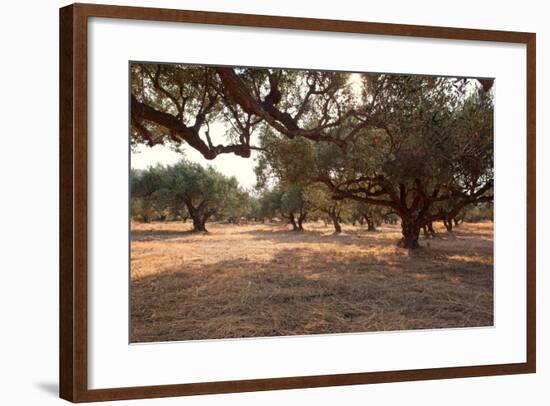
(372, 215)
(429, 157)
(269, 203)
(149, 199)
(203, 191)
(321, 200)
(295, 207)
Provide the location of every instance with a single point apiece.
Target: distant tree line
(187, 191)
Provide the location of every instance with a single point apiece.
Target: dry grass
(261, 280)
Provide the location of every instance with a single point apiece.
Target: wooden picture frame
(74, 201)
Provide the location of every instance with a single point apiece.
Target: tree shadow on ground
(149, 235)
(299, 291)
(347, 237)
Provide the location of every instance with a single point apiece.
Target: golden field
(257, 280)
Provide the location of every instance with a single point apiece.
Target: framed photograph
(254, 202)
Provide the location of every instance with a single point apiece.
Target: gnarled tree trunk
(411, 231)
(371, 225)
(428, 229)
(336, 223)
(301, 219)
(292, 221)
(199, 225)
(448, 225)
(199, 215)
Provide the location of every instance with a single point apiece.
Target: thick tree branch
(180, 132)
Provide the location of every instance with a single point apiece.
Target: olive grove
(350, 147)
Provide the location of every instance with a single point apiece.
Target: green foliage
(370, 214)
(321, 199)
(289, 203)
(480, 212)
(149, 196)
(270, 203)
(293, 200)
(187, 189)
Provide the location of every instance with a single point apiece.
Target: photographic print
(281, 202)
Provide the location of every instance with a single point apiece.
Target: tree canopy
(202, 192)
(433, 157)
(420, 147)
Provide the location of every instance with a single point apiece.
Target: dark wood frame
(73, 202)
